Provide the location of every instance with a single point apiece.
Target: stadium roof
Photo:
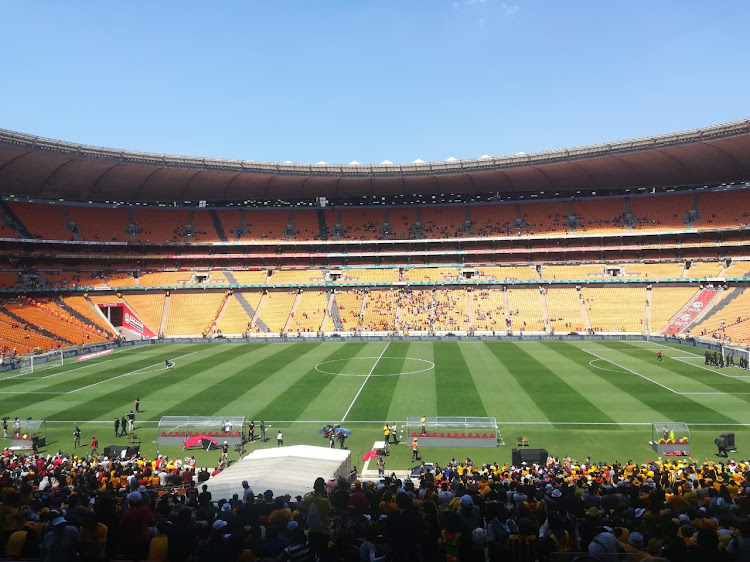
(49, 169)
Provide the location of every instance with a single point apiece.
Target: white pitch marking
(137, 371)
(365, 381)
(633, 372)
(591, 364)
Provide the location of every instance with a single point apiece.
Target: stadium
(571, 299)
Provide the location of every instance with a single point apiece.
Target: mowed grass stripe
(374, 401)
(295, 399)
(415, 395)
(503, 396)
(17, 402)
(107, 400)
(669, 405)
(457, 395)
(548, 390)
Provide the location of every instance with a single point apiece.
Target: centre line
(365, 382)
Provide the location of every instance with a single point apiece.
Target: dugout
(174, 430)
(456, 431)
(23, 431)
(670, 439)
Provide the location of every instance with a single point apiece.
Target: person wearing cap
(605, 542)
(135, 527)
(60, 540)
(635, 547)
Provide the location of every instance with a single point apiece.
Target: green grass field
(578, 398)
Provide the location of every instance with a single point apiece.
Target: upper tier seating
(100, 223)
(661, 212)
(431, 274)
(580, 271)
(296, 277)
(599, 216)
(204, 230)
(616, 309)
(724, 209)
(545, 217)
(43, 221)
(737, 269)
(306, 225)
(403, 221)
(265, 224)
(493, 220)
(386, 275)
(360, 224)
(159, 226)
(250, 277)
(564, 307)
(510, 273)
(443, 222)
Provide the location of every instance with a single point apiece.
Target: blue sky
(369, 80)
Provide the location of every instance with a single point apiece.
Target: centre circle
(417, 366)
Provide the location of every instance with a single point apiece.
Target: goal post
(736, 353)
(41, 361)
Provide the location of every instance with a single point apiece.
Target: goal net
(41, 361)
(736, 356)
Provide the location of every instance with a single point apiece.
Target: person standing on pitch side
(137, 405)
(117, 426)
(262, 431)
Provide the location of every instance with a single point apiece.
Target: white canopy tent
(283, 470)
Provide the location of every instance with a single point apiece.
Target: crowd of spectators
(61, 507)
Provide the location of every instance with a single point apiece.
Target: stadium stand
(235, 319)
(581, 271)
(159, 226)
(704, 269)
(311, 308)
(511, 273)
(203, 228)
(443, 222)
(493, 220)
(44, 222)
(275, 308)
(306, 226)
(545, 218)
(192, 312)
(564, 307)
(83, 308)
(600, 215)
(525, 310)
(666, 302)
(416, 310)
(723, 209)
(149, 307)
(265, 224)
(361, 224)
(616, 309)
(8, 280)
(487, 310)
(100, 223)
(403, 223)
(430, 274)
(249, 277)
(349, 305)
(296, 277)
(450, 310)
(372, 275)
(661, 212)
(379, 310)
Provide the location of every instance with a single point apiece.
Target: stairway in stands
(218, 226)
(322, 226)
(251, 312)
(16, 223)
(335, 313)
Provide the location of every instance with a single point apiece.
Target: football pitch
(579, 398)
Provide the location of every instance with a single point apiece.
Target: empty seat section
(372, 275)
(510, 273)
(265, 225)
(545, 217)
(234, 318)
(431, 274)
(737, 269)
(599, 216)
(230, 221)
(23, 337)
(43, 221)
(99, 223)
(306, 225)
(362, 223)
(564, 308)
(380, 311)
(616, 309)
(8, 280)
(416, 310)
(165, 278)
(443, 222)
(120, 279)
(191, 312)
(487, 310)
(666, 302)
(725, 209)
(654, 270)
(203, 228)
(149, 307)
(732, 321)
(158, 226)
(251, 277)
(349, 303)
(311, 308)
(525, 310)
(53, 324)
(296, 277)
(493, 220)
(572, 272)
(275, 309)
(83, 307)
(661, 212)
(450, 310)
(703, 269)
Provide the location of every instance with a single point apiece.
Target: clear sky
(369, 80)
